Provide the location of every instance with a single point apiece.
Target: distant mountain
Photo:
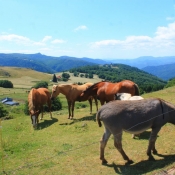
(165, 72)
(145, 61)
(44, 63)
(50, 64)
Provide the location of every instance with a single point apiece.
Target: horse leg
(73, 104)
(118, 145)
(102, 102)
(152, 142)
(41, 113)
(90, 102)
(96, 102)
(103, 143)
(69, 106)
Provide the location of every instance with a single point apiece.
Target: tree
(82, 75)
(65, 76)
(54, 79)
(90, 75)
(6, 84)
(75, 74)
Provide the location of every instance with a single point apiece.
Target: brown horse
(72, 93)
(134, 117)
(36, 99)
(105, 91)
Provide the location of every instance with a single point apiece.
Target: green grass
(62, 146)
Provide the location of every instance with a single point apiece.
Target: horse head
(34, 117)
(55, 92)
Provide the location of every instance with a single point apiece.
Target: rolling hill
(164, 72)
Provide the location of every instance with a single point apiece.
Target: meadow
(62, 146)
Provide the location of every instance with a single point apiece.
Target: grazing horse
(127, 96)
(105, 91)
(134, 117)
(36, 99)
(72, 93)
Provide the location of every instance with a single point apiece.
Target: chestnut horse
(72, 93)
(105, 91)
(36, 99)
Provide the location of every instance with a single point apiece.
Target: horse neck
(64, 89)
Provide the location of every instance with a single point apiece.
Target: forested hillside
(119, 72)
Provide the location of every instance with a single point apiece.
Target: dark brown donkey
(134, 117)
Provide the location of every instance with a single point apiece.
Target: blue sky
(105, 29)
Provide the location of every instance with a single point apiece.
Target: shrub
(41, 84)
(6, 84)
(3, 111)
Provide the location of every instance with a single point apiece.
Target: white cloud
(46, 38)
(82, 27)
(57, 41)
(15, 38)
(164, 36)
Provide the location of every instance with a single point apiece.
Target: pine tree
(54, 78)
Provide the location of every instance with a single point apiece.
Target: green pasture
(62, 146)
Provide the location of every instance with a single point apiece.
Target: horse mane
(94, 85)
(30, 101)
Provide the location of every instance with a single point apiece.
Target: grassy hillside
(26, 78)
(62, 146)
(22, 77)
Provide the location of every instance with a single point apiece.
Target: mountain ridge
(52, 64)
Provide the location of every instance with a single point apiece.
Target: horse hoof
(130, 162)
(104, 161)
(151, 158)
(155, 152)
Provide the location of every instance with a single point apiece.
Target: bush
(41, 84)
(3, 112)
(6, 84)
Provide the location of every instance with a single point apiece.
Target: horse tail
(137, 92)
(98, 119)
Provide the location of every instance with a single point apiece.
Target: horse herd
(122, 109)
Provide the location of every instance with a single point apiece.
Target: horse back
(43, 95)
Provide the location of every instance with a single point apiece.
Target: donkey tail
(98, 119)
(137, 92)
